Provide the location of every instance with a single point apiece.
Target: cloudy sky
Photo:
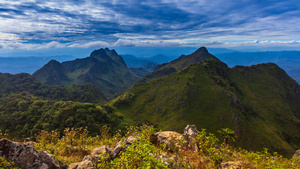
(39, 24)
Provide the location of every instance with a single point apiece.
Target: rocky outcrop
(25, 156)
(296, 155)
(232, 165)
(85, 164)
(190, 134)
(172, 139)
(103, 153)
(168, 161)
(169, 138)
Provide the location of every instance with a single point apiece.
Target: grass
(212, 152)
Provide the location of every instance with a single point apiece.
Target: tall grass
(75, 143)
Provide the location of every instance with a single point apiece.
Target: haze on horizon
(37, 25)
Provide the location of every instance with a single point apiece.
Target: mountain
(160, 58)
(186, 60)
(260, 102)
(104, 68)
(287, 60)
(140, 67)
(180, 63)
(145, 70)
(24, 82)
(27, 64)
(134, 62)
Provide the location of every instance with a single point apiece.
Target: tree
(227, 134)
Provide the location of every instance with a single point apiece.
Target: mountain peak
(105, 53)
(100, 52)
(186, 60)
(202, 50)
(104, 68)
(53, 64)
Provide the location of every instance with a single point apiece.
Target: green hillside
(259, 103)
(104, 68)
(26, 83)
(23, 115)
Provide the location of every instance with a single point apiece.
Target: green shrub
(7, 165)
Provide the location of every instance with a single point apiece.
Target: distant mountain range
(27, 64)
(287, 60)
(104, 68)
(260, 103)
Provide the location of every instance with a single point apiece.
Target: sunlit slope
(260, 103)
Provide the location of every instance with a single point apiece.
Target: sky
(68, 24)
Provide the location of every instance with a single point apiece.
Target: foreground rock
(25, 156)
(85, 164)
(190, 134)
(103, 153)
(296, 155)
(232, 165)
(169, 138)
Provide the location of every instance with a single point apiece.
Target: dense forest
(24, 115)
(24, 82)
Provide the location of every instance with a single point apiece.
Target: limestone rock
(128, 141)
(296, 154)
(190, 134)
(85, 164)
(97, 152)
(170, 138)
(168, 161)
(26, 139)
(103, 152)
(94, 157)
(25, 156)
(231, 165)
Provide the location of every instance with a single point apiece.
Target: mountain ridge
(258, 102)
(185, 60)
(104, 68)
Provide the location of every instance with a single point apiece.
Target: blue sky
(48, 24)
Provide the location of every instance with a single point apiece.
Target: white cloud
(255, 43)
(97, 44)
(150, 43)
(168, 23)
(30, 46)
(52, 44)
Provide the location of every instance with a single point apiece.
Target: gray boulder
(296, 155)
(103, 153)
(190, 134)
(25, 156)
(231, 164)
(85, 164)
(169, 138)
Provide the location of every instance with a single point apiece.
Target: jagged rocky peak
(111, 52)
(99, 53)
(106, 54)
